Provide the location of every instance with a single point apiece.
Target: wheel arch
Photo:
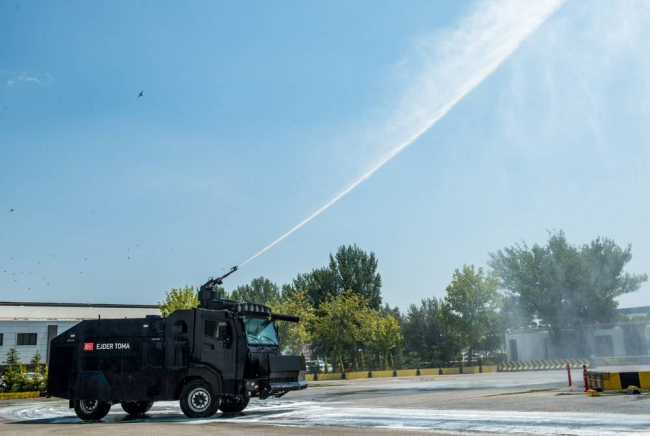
(209, 375)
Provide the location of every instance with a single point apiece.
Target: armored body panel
(216, 356)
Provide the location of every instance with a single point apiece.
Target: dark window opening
(26, 339)
(223, 332)
(514, 355)
(210, 328)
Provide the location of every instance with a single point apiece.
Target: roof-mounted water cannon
(207, 292)
(212, 282)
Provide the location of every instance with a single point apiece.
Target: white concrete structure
(625, 339)
(29, 327)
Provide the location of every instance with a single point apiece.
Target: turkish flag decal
(88, 346)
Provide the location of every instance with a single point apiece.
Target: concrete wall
(535, 345)
(618, 340)
(530, 345)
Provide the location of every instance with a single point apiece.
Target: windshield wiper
(271, 340)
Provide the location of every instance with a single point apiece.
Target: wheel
(198, 400)
(233, 405)
(136, 407)
(91, 410)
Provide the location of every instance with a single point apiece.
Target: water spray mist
(460, 61)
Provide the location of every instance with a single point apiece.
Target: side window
(210, 328)
(223, 332)
(26, 339)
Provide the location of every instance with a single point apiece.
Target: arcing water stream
(452, 66)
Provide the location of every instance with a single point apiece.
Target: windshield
(261, 331)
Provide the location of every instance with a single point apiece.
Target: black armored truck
(214, 357)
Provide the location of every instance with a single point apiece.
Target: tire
(234, 405)
(198, 400)
(136, 408)
(91, 410)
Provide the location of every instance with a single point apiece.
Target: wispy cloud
(13, 78)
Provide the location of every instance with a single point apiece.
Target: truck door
(219, 349)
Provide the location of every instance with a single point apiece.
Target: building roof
(117, 306)
(641, 310)
(23, 310)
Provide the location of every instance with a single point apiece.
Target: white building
(616, 340)
(31, 326)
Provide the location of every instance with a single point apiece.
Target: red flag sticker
(88, 346)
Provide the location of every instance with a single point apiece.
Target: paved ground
(497, 403)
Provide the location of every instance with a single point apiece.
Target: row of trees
(16, 378)
(342, 316)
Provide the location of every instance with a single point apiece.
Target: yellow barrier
(355, 375)
(402, 373)
(612, 381)
(19, 395)
(329, 376)
(644, 379)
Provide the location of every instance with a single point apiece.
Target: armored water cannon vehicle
(215, 357)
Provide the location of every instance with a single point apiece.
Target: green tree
(386, 338)
(177, 299)
(562, 285)
(39, 382)
(344, 322)
(349, 269)
(604, 280)
(296, 335)
(392, 311)
(15, 375)
(260, 291)
(427, 338)
(356, 270)
(470, 306)
(318, 285)
(513, 315)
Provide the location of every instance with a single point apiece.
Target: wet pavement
(495, 403)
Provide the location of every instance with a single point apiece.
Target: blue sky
(256, 114)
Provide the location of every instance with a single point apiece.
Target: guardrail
(541, 365)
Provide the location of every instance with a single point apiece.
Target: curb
(19, 395)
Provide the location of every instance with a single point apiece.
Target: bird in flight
(141, 94)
